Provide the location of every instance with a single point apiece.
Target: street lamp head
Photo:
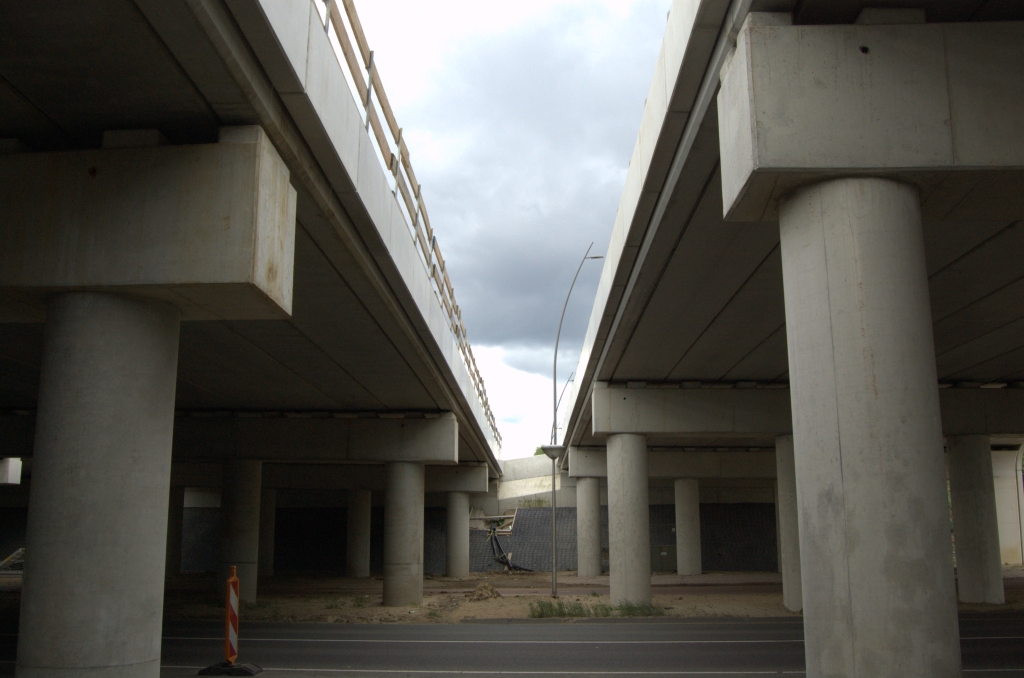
(553, 451)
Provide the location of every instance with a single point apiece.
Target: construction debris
(483, 592)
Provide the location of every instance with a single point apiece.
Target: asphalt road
(596, 648)
(992, 645)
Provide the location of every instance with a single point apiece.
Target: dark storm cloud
(546, 116)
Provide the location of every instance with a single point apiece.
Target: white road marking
(252, 639)
(526, 673)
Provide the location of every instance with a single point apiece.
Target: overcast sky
(520, 119)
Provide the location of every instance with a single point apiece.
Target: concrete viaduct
(818, 251)
(216, 269)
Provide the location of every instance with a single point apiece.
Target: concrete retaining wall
(312, 539)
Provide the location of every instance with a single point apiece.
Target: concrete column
(357, 533)
(240, 524)
(268, 523)
(588, 527)
(629, 523)
(92, 599)
(787, 529)
(403, 534)
(979, 568)
(687, 526)
(876, 564)
(1006, 479)
(458, 534)
(175, 516)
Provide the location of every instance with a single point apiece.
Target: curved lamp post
(553, 450)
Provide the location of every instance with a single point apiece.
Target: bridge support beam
(786, 513)
(97, 522)
(687, 495)
(979, 568)
(874, 541)
(457, 537)
(403, 534)
(629, 535)
(357, 534)
(588, 527)
(268, 525)
(175, 526)
(240, 525)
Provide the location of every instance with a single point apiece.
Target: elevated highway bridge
(817, 253)
(214, 253)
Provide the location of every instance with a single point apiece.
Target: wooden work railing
(394, 154)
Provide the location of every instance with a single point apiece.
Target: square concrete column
(403, 533)
(588, 527)
(629, 522)
(787, 524)
(979, 568)
(357, 533)
(92, 599)
(240, 525)
(876, 564)
(457, 537)
(687, 526)
(175, 518)
(268, 523)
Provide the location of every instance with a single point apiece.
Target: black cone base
(226, 669)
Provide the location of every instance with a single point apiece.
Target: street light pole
(554, 451)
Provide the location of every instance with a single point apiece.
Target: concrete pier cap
(932, 105)
(207, 228)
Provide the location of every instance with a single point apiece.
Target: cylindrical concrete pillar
(92, 598)
(240, 525)
(629, 523)
(788, 533)
(268, 523)
(175, 518)
(457, 536)
(687, 526)
(357, 533)
(979, 567)
(588, 527)
(876, 562)
(403, 534)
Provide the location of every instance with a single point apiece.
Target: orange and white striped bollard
(231, 619)
(228, 667)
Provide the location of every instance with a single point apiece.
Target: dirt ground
(480, 597)
(491, 596)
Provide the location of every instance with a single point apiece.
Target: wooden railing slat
(385, 106)
(378, 133)
(346, 49)
(357, 30)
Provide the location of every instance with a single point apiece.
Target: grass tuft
(628, 608)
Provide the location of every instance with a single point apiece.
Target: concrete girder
(654, 411)
(935, 105)
(207, 228)
(342, 477)
(766, 412)
(286, 439)
(672, 465)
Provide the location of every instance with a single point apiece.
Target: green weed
(629, 608)
(568, 608)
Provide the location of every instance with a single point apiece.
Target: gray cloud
(550, 119)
